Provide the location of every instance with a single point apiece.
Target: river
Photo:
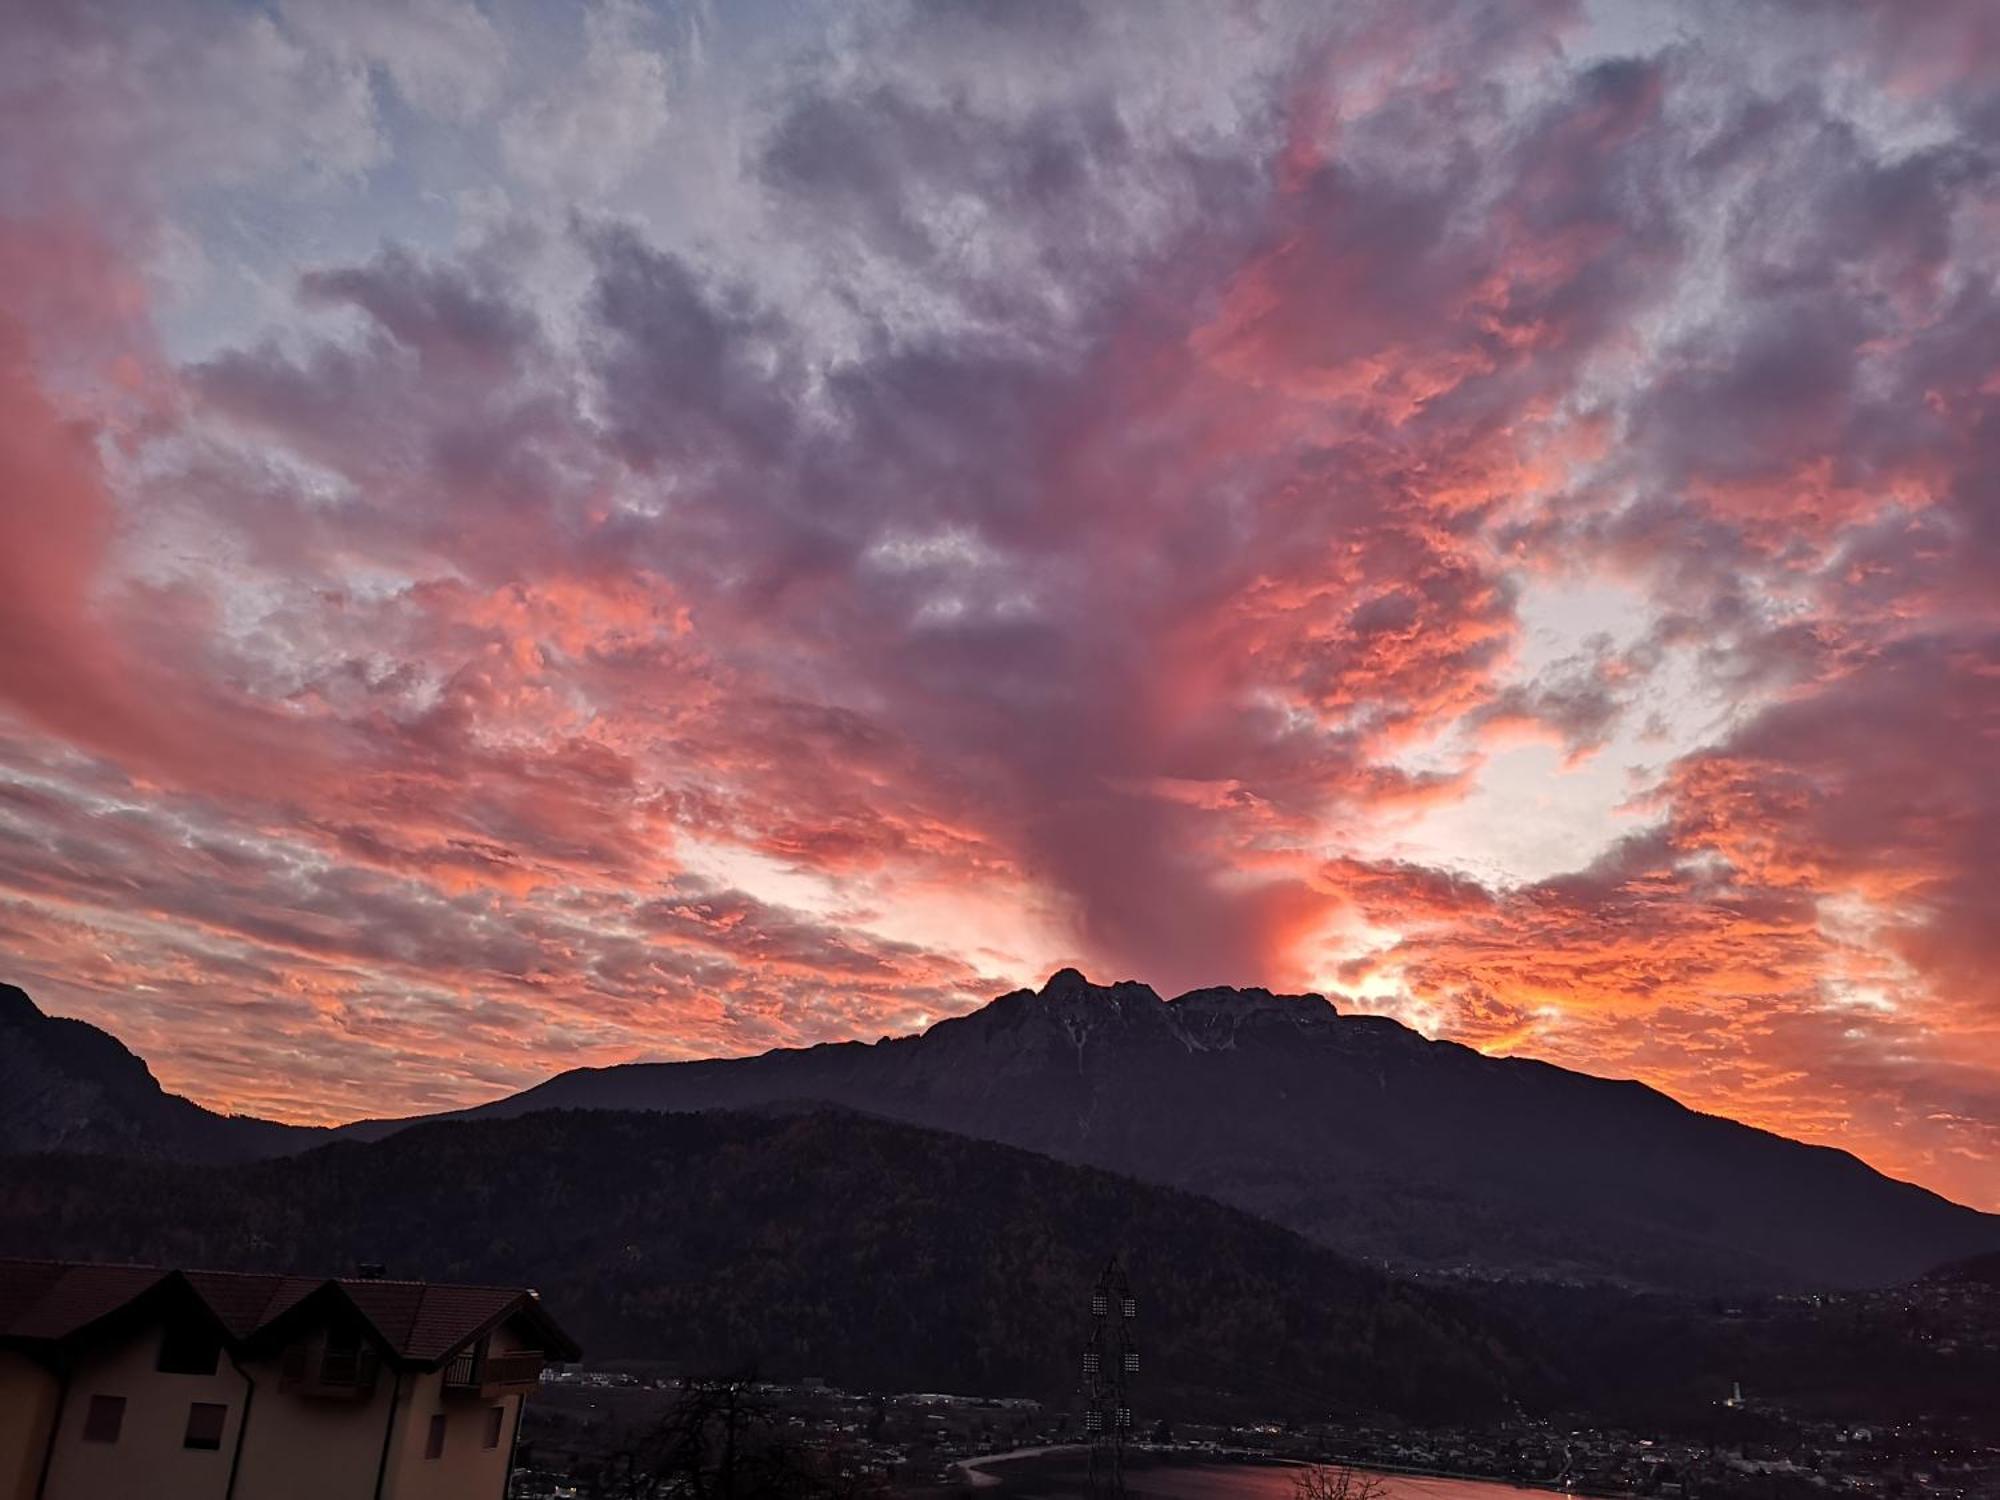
(1047, 1474)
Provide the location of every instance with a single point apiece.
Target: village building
(200, 1385)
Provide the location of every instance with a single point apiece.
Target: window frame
(192, 1442)
(178, 1339)
(434, 1437)
(342, 1351)
(496, 1427)
(100, 1403)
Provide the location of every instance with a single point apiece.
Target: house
(200, 1385)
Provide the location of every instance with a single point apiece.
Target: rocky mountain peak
(1072, 987)
(1211, 1019)
(1082, 1011)
(1217, 1016)
(1221, 999)
(16, 1009)
(68, 1085)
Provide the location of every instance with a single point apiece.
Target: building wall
(27, 1406)
(465, 1470)
(149, 1457)
(312, 1448)
(296, 1447)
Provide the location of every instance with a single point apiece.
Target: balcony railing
(489, 1374)
(339, 1372)
(462, 1374)
(509, 1371)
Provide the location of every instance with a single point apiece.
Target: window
(204, 1429)
(188, 1349)
(105, 1418)
(496, 1419)
(434, 1441)
(341, 1363)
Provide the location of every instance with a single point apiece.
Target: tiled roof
(55, 1299)
(23, 1283)
(426, 1320)
(243, 1304)
(45, 1303)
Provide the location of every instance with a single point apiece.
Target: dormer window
(337, 1362)
(188, 1348)
(341, 1363)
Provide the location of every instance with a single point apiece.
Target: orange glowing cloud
(948, 516)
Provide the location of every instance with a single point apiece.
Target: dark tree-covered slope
(825, 1243)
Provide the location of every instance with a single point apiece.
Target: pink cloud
(1095, 472)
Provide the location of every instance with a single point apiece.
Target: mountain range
(1352, 1130)
(68, 1086)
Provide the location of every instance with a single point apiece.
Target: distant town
(120, 1377)
(1747, 1445)
(922, 1442)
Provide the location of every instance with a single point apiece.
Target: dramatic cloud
(531, 538)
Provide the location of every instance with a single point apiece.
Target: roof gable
(55, 1300)
(417, 1324)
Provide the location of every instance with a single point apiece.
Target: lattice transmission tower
(1110, 1364)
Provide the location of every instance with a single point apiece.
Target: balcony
(475, 1370)
(330, 1369)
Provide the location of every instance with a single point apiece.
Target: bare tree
(1337, 1482)
(721, 1441)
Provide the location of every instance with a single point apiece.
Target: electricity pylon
(1110, 1363)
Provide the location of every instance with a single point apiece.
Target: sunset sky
(533, 536)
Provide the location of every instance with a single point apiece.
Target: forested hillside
(874, 1254)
